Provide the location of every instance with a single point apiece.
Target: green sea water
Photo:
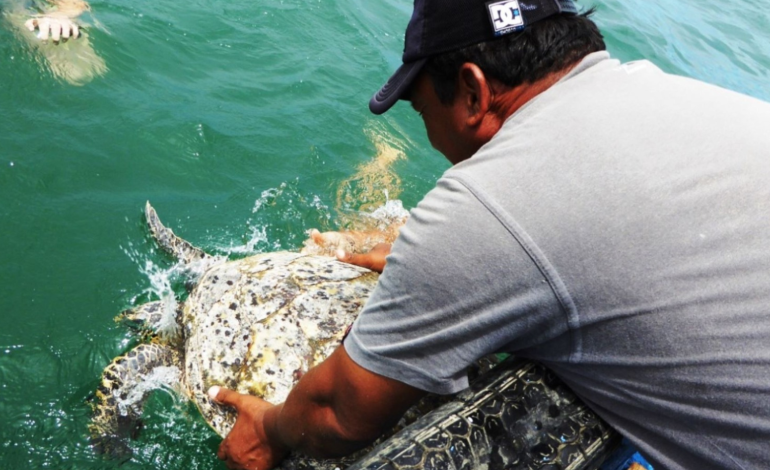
(240, 121)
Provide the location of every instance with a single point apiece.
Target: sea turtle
(254, 325)
(257, 324)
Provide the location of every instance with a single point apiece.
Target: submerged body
(68, 54)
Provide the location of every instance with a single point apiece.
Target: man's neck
(508, 101)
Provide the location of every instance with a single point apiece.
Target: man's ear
(474, 92)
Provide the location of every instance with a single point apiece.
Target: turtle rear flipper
(169, 242)
(126, 383)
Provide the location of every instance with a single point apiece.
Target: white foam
(161, 282)
(392, 211)
(168, 378)
(160, 285)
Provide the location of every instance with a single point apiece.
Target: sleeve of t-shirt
(457, 286)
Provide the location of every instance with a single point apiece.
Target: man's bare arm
(336, 408)
(351, 404)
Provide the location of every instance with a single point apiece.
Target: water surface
(239, 121)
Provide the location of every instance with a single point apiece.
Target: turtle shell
(256, 325)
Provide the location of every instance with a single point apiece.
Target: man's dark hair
(545, 47)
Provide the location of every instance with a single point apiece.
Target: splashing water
(160, 285)
(166, 378)
(375, 180)
(389, 213)
(272, 226)
(165, 283)
(257, 237)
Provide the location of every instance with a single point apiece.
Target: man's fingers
(44, 25)
(327, 238)
(224, 454)
(374, 259)
(56, 27)
(350, 258)
(363, 260)
(370, 260)
(225, 396)
(317, 237)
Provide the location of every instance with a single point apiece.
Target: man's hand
(347, 246)
(249, 446)
(58, 27)
(374, 260)
(336, 408)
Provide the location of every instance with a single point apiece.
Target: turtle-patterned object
(517, 416)
(256, 325)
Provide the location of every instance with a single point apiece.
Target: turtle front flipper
(168, 241)
(126, 383)
(144, 319)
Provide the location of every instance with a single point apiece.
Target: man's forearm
(338, 408)
(316, 434)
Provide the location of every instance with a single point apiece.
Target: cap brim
(397, 85)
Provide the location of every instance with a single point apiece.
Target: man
(607, 220)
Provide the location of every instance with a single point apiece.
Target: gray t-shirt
(617, 230)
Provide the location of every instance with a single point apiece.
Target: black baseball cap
(439, 26)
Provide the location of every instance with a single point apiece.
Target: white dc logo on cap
(505, 16)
